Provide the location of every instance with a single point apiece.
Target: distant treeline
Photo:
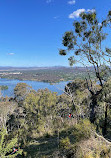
(52, 75)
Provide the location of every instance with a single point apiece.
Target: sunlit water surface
(58, 87)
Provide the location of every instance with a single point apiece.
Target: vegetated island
(3, 87)
(46, 74)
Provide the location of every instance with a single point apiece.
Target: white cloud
(77, 13)
(71, 2)
(10, 53)
(91, 10)
(48, 1)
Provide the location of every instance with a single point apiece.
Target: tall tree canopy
(86, 43)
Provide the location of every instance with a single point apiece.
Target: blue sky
(31, 30)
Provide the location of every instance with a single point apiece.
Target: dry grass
(93, 146)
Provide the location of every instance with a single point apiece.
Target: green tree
(6, 109)
(39, 108)
(86, 41)
(104, 100)
(78, 89)
(20, 92)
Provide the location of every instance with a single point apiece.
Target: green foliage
(82, 130)
(105, 72)
(90, 50)
(6, 108)
(88, 30)
(71, 61)
(43, 126)
(4, 87)
(20, 91)
(65, 143)
(62, 52)
(70, 145)
(85, 42)
(6, 148)
(104, 113)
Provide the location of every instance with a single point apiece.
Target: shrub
(82, 130)
(65, 143)
(6, 148)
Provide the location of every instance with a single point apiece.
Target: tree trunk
(58, 139)
(92, 107)
(105, 122)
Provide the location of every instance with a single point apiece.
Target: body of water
(58, 87)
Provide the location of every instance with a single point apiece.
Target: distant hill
(9, 68)
(45, 74)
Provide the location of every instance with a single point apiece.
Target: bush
(65, 143)
(82, 130)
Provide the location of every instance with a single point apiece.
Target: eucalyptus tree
(20, 92)
(86, 45)
(104, 100)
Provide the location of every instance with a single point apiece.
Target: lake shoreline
(11, 83)
(37, 80)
